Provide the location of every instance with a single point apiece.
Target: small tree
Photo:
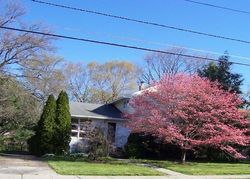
(98, 144)
(222, 73)
(18, 140)
(47, 126)
(191, 112)
(42, 142)
(63, 124)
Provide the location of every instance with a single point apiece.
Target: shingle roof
(104, 111)
(121, 98)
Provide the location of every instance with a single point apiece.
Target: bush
(98, 144)
(141, 146)
(147, 146)
(116, 152)
(16, 141)
(33, 147)
(48, 156)
(2, 143)
(79, 155)
(212, 154)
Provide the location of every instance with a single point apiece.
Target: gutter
(98, 117)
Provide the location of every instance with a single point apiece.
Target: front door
(111, 132)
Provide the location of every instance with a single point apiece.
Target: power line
(218, 7)
(162, 44)
(142, 21)
(115, 44)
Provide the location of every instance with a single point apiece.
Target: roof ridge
(86, 103)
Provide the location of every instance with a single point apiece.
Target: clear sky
(170, 12)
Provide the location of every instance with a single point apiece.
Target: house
(107, 117)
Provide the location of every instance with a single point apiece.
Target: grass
(109, 166)
(101, 169)
(203, 168)
(195, 168)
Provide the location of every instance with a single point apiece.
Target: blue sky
(171, 12)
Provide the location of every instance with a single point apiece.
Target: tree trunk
(183, 156)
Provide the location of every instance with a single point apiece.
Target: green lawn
(211, 168)
(131, 167)
(202, 168)
(87, 168)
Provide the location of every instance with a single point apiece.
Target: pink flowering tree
(190, 112)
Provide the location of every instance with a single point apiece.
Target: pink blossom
(191, 111)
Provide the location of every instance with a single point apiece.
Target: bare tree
(247, 101)
(44, 76)
(99, 83)
(77, 77)
(159, 64)
(112, 80)
(12, 12)
(17, 48)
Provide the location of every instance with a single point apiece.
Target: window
(111, 132)
(74, 126)
(73, 134)
(74, 120)
(79, 128)
(82, 134)
(125, 104)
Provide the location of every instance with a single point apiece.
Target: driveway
(24, 165)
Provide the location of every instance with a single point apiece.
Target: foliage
(141, 146)
(46, 126)
(62, 124)
(2, 147)
(213, 154)
(43, 139)
(191, 112)
(67, 157)
(247, 102)
(18, 109)
(98, 144)
(17, 140)
(222, 73)
(146, 146)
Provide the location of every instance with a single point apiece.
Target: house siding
(79, 144)
(122, 134)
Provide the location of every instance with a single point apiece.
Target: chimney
(140, 84)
